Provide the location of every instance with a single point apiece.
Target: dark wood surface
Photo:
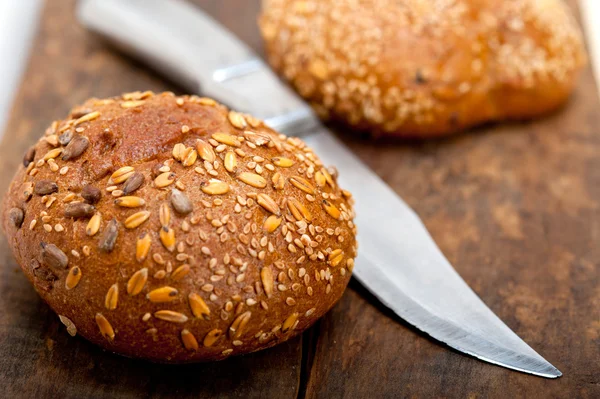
(515, 207)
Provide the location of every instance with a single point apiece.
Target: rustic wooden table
(515, 207)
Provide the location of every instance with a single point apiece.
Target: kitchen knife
(398, 261)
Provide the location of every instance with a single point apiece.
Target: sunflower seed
(16, 217)
(91, 194)
(136, 283)
(237, 327)
(52, 256)
(163, 294)
(109, 237)
(169, 315)
(29, 156)
(134, 182)
(180, 202)
(45, 187)
(65, 137)
(252, 179)
(75, 148)
(105, 328)
(136, 219)
(79, 210)
(112, 297)
(73, 278)
(212, 337)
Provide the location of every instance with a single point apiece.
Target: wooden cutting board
(515, 207)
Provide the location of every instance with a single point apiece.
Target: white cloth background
(19, 19)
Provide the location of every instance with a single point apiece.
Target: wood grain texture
(516, 208)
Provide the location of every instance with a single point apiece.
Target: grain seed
(130, 202)
(169, 315)
(189, 158)
(142, 247)
(252, 179)
(136, 283)
(298, 210)
(121, 174)
(180, 272)
(331, 210)
(230, 161)
(163, 294)
(136, 219)
(272, 223)
(73, 278)
(112, 297)
(302, 184)
(205, 151)
(199, 308)
(189, 341)
(164, 215)
(289, 322)
(237, 120)
(278, 181)
(282, 162)
(215, 187)
(132, 104)
(53, 154)
(105, 327)
(226, 138)
(167, 237)
(212, 337)
(87, 117)
(71, 329)
(93, 225)
(164, 179)
(237, 327)
(335, 257)
(268, 203)
(266, 277)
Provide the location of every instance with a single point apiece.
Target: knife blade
(398, 260)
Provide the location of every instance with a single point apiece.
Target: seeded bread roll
(424, 68)
(171, 229)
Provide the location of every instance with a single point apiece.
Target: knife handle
(185, 44)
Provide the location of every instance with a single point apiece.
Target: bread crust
(155, 245)
(425, 68)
